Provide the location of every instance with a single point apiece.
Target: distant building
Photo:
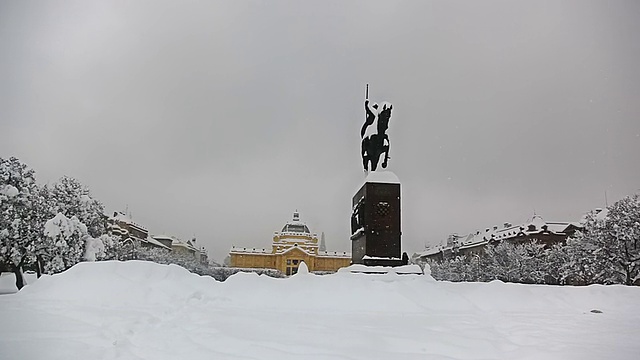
(135, 235)
(187, 248)
(130, 232)
(294, 244)
(544, 232)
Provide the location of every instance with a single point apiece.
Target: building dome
(296, 226)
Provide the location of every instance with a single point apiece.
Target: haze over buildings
(220, 119)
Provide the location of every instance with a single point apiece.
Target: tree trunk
(39, 266)
(17, 270)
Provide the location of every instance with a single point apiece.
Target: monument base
(380, 261)
(380, 270)
(375, 221)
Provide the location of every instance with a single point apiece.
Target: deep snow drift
(140, 310)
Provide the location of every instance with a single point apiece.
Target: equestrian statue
(374, 144)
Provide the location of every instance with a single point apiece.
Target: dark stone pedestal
(375, 225)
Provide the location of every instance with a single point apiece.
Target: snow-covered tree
(115, 248)
(162, 256)
(67, 243)
(607, 251)
(95, 249)
(71, 198)
(21, 209)
(622, 239)
(555, 264)
(502, 261)
(515, 262)
(459, 268)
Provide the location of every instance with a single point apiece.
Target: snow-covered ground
(8, 282)
(139, 310)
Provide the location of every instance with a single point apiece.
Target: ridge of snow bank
(119, 283)
(141, 310)
(140, 283)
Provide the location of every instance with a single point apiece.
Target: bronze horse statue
(376, 144)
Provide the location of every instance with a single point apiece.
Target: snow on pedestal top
(387, 177)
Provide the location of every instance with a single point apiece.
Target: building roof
(157, 243)
(535, 226)
(295, 247)
(149, 241)
(597, 214)
(175, 242)
(187, 245)
(342, 254)
(294, 235)
(432, 250)
(245, 250)
(296, 226)
(120, 217)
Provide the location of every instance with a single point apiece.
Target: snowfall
(141, 310)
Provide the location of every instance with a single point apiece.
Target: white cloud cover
(253, 109)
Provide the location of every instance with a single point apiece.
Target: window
(288, 270)
(294, 270)
(295, 262)
(288, 262)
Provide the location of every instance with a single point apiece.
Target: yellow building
(294, 244)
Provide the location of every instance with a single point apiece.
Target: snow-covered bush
(221, 273)
(64, 243)
(94, 249)
(71, 198)
(162, 256)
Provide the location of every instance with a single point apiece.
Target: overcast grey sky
(219, 119)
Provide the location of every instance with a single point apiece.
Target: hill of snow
(140, 310)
